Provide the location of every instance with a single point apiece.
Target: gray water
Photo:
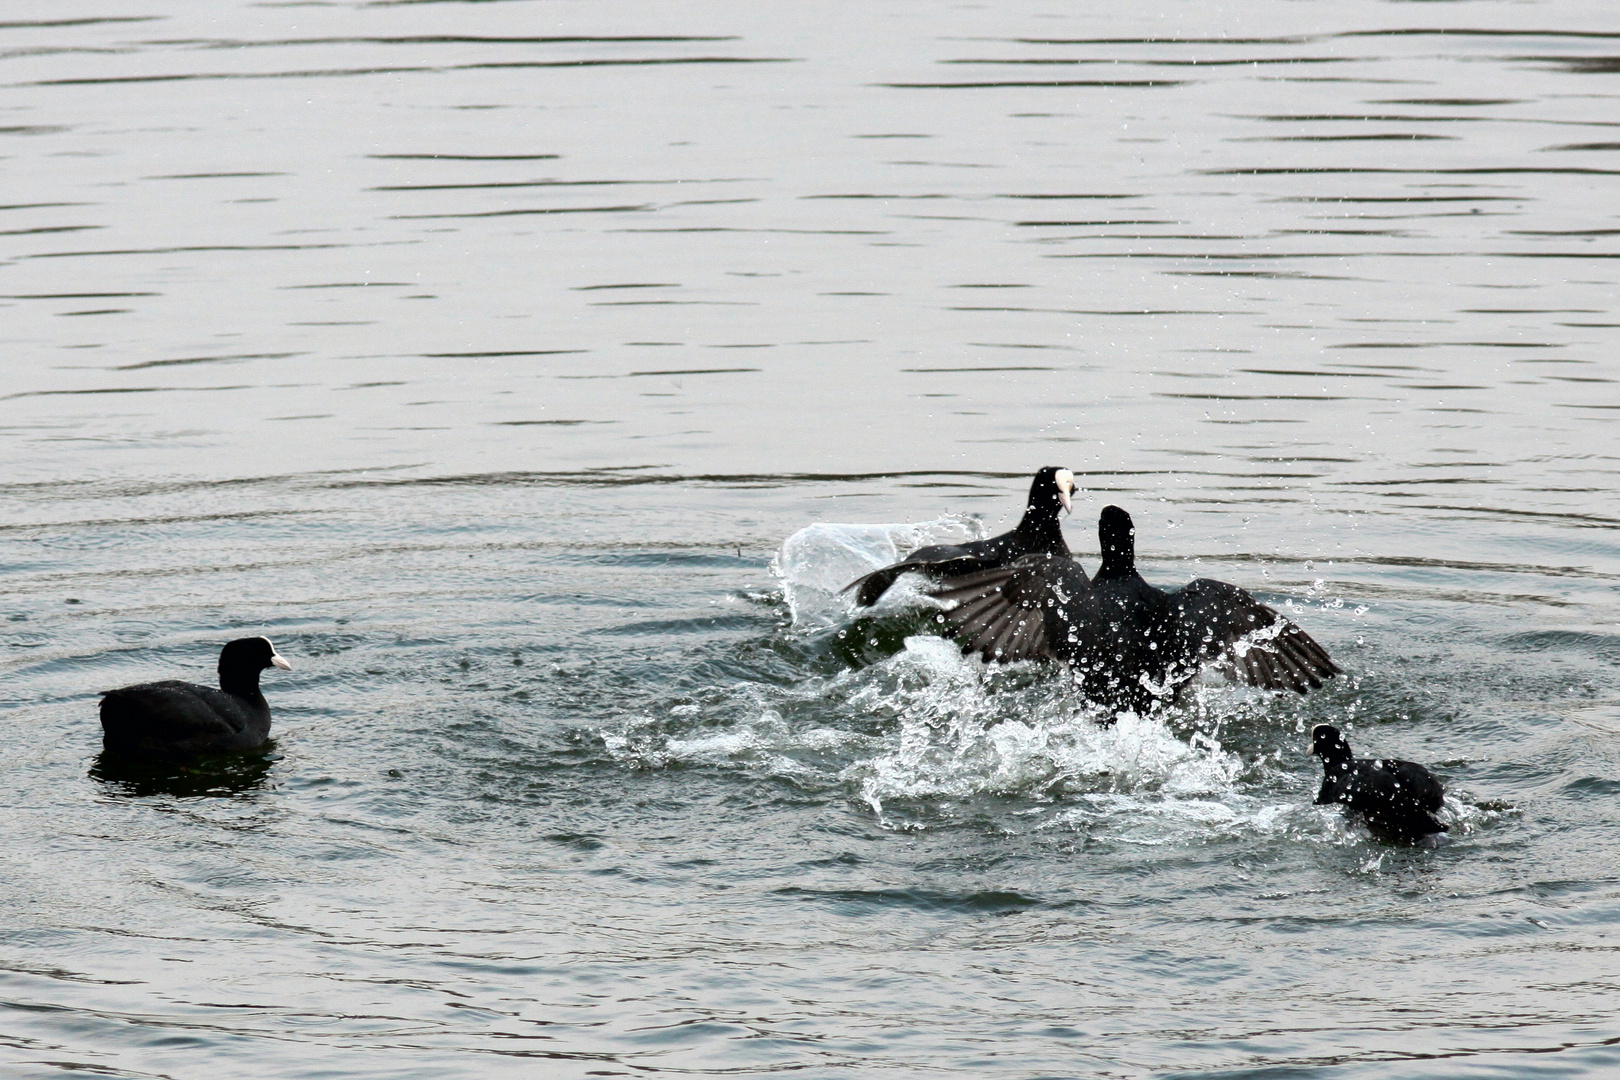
(485, 354)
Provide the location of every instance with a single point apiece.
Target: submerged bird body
(1038, 531)
(1128, 643)
(1396, 799)
(180, 719)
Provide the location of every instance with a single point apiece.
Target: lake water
(484, 355)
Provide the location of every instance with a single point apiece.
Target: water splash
(1160, 818)
(815, 563)
(926, 728)
(961, 734)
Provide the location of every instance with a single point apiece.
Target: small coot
(1037, 531)
(1396, 799)
(180, 719)
(1129, 644)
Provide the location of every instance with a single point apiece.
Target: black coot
(181, 719)
(1396, 799)
(1129, 643)
(1037, 531)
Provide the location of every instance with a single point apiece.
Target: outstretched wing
(939, 560)
(1249, 640)
(1000, 614)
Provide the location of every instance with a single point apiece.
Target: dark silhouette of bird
(1037, 531)
(1396, 799)
(181, 719)
(1129, 644)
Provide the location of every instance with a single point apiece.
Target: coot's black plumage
(1129, 643)
(181, 719)
(1037, 531)
(1396, 799)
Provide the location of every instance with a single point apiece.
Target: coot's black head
(1116, 536)
(246, 657)
(1052, 488)
(1328, 744)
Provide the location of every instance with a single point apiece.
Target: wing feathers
(1250, 640)
(872, 586)
(1001, 614)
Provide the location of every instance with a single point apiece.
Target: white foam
(930, 726)
(765, 743)
(1157, 819)
(960, 735)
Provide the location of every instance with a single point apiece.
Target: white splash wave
(928, 727)
(960, 735)
(815, 563)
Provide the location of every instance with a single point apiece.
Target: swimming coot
(1037, 531)
(180, 719)
(1130, 644)
(1396, 799)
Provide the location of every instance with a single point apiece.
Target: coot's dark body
(1037, 531)
(1128, 643)
(1396, 799)
(179, 719)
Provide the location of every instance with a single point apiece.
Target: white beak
(281, 662)
(1065, 484)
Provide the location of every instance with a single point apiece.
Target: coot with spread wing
(1129, 644)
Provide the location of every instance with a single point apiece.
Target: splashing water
(815, 563)
(907, 726)
(962, 734)
(926, 727)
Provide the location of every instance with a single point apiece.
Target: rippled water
(485, 354)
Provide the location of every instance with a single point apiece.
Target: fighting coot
(1396, 799)
(1037, 531)
(1130, 644)
(180, 719)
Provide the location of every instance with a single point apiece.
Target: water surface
(484, 355)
